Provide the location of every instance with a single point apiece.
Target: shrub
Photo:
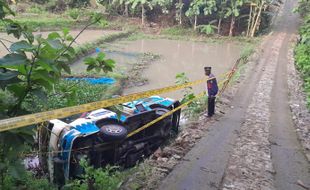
(73, 13)
(207, 29)
(36, 9)
(107, 178)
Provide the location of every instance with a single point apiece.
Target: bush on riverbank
(302, 50)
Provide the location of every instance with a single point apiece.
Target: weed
(177, 31)
(73, 13)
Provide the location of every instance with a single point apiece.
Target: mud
(86, 36)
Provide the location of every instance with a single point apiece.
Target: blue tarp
(89, 80)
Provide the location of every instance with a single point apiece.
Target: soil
(253, 145)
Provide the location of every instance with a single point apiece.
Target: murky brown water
(86, 36)
(176, 57)
(182, 56)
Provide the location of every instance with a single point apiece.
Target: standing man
(212, 90)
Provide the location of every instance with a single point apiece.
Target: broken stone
(176, 156)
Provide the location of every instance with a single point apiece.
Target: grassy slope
(302, 50)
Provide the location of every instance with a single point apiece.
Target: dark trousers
(211, 105)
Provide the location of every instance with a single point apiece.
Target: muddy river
(86, 36)
(176, 57)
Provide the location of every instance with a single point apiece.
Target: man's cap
(207, 68)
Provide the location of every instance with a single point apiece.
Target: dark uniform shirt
(212, 87)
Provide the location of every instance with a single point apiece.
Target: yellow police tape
(221, 83)
(26, 120)
(165, 115)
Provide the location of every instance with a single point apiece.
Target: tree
(31, 67)
(123, 3)
(233, 10)
(144, 4)
(257, 7)
(179, 12)
(195, 10)
(221, 13)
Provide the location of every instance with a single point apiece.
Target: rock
(185, 134)
(162, 170)
(176, 156)
(158, 153)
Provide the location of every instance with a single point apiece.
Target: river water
(86, 36)
(177, 56)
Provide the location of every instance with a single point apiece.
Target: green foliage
(78, 3)
(303, 8)
(30, 70)
(207, 29)
(107, 178)
(73, 13)
(302, 50)
(69, 93)
(246, 51)
(36, 9)
(177, 31)
(27, 181)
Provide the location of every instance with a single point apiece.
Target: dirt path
(254, 146)
(289, 162)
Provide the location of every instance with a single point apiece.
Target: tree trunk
(195, 24)
(43, 141)
(219, 26)
(180, 16)
(126, 10)
(232, 25)
(143, 14)
(249, 21)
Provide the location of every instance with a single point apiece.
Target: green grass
(86, 48)
(177, 31)
(302, 49)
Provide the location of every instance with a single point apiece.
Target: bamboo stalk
(257, 18)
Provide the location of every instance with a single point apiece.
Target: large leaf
(7, 75)
(100, 56)
(44, 83)
(53, 35)
(42, 74)
(17, 89)
(13, 59)
(7, 78)
(21, 46)
(56, 44)
(40, 94)
(4, 9)
(14, 28)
